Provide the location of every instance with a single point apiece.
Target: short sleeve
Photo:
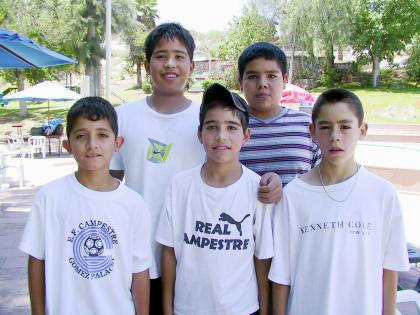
(263, 232)
(394, 243)
(33, 238)
(280, 265)
(164, 234)
(142, 252)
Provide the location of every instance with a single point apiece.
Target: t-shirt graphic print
(158, 151)
(92, 244)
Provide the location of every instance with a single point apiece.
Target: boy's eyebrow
(97, 129)
(343, 121)
(166, 50)
(232, 122)
(255, 71)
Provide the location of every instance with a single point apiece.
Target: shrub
(147, 87)
(232, 78)
(413, 64)
(208, 82)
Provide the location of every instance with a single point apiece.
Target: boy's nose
(92, 143)
(220, 136)
(334, 135)
(262, 82)
(170, 62)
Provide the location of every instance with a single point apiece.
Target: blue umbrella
(17, 51)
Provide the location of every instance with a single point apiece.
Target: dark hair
(217, 95)
(169, 31)
(264, 50)
(221, 103)
(93, 108)
(332, 96)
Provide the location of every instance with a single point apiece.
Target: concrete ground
(399, 162)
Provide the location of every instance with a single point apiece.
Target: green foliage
(251, 27)
(413, 63)
(330, 77)
(232, 78)
(382, 28)
(208, 82)
(147, 87)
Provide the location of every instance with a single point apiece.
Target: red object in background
(295, 94)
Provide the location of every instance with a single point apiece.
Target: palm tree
(146, 14)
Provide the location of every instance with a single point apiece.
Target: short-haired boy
(88, 235)
(160, 133)
(280, 140)
(216, 234)
(338, 232)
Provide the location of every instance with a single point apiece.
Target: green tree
(383, 28)
(144, 22)
(41, 21)
(413, 63)
(243, 31)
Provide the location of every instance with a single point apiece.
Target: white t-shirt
(156, 147)
(333, 254)
(92, 242)
(215, 233)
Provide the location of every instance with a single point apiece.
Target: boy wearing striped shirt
(280, 140)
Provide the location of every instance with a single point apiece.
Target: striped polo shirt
(281, 144)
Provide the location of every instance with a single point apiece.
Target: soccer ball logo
(93, 245)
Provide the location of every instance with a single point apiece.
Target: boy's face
(92, 143)
(337, 131)
(222, 135)
(262, 84)
(170, 67)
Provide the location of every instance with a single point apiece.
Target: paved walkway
(15, 204)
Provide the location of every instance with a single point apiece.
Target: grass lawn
(388, 105)
(383, 105)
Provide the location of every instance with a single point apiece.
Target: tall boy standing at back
(87, 235)
(160, 132)
(212, 226)
(280, 140)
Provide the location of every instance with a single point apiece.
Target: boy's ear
(192, 67)
(363, 130)
(312, 131)
(199, 135)
(240, 84)
(247, 135)
(147, 66)
(67, 146)
(285, 78)
(119, 141)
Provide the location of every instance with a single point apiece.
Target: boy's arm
(119, 174)
(168, 279)
(390, 279)
(280, 298)
(36, 282)
(140, 290)
(262, 266)
(270, 190)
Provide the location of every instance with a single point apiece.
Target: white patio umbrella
(44, 91)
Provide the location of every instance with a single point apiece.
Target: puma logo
(226, 217)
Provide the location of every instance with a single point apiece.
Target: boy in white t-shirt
(160, 134)
(88, 235)
(216, 235)
(338, 233)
